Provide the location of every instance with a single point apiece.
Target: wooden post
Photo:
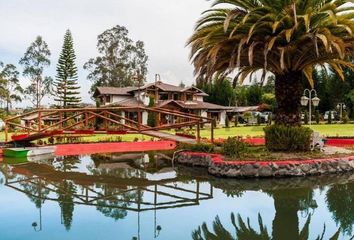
(86, 120)
(6, 131)
(212, 131)
(61, 120)
(139, 120)
(39, 121)
(105, 122)
(198, 132)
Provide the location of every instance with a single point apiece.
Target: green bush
(234, 147)
(291, 139)
(199, 147)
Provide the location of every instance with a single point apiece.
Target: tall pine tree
(66, 83)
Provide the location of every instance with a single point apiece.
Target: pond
(146, 196)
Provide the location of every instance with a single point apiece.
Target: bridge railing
(110, 117)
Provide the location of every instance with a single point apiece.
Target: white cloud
(164, 26)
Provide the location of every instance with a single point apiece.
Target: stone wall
(256, 169)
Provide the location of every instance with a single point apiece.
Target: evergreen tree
(67, 94)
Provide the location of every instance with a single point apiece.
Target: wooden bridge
(44, 123)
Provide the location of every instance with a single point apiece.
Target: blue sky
(164, 26)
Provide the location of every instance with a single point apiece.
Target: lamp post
(307, 99)
(341, 107)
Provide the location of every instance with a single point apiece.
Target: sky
(164, 26)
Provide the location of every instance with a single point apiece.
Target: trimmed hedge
(289, 139)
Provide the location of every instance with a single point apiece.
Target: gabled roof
(113, 91)
(193, 105)
(200, 92)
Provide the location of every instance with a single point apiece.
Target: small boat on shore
(28, 152)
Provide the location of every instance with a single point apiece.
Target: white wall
(122, 121)
(144, 118)
(222, 117)
(198, 98)
(119, 98)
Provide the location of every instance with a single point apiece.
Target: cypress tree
(66, 83)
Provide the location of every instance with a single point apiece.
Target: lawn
(255, 131)
(252, 131)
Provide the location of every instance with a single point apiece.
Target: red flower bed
(340, 142)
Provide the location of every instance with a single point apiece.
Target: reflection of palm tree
(244, 231)
(287, 203)
(340, 201)
(36, 191)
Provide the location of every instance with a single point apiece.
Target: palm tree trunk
(286, 221)
(288, 92)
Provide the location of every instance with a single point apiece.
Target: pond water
(145, 196)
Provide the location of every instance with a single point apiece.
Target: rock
(265, 171)
(248, 171)
(343, 164)
(305, 168)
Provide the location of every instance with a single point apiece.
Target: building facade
(166, 96)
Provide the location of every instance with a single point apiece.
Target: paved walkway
(168, 136)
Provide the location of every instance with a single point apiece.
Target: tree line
(120, 62)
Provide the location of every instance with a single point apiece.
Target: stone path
(168, 136)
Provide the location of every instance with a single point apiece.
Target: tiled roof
(130, 102)
(114, 91)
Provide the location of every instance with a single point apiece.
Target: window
(163, 97)
(189, 97)
(175, 96)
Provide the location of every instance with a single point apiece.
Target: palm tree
(287, 38)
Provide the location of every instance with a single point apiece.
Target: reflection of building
(189, 100)
(94, 190)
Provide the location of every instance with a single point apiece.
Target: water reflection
(114, 184)
(119, 185)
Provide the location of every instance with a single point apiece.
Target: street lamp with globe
(307, 99)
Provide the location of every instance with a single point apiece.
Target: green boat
(28, 152)
(16, 152)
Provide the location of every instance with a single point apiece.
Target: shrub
(199, 147)
(317, 117)
(234, 147)
(282, 138)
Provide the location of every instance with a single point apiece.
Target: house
(183, 99)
